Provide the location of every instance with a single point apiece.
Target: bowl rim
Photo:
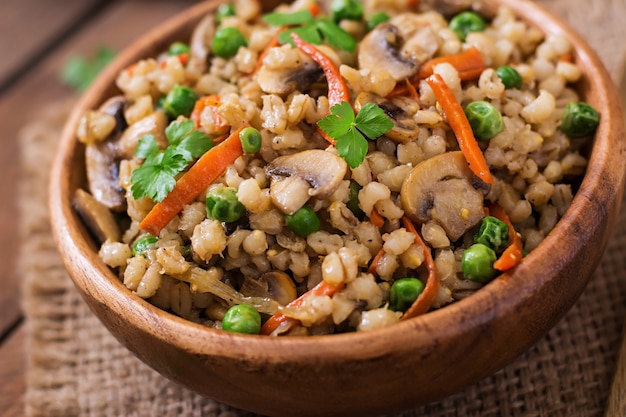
(477, 310)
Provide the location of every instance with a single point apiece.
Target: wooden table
(36, 38)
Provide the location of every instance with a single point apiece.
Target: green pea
(178, 48)
(346, 9)
(493, 232)
(250, 140)
(376, 19)
(485, 119)
(466, 22)
(303, 222)
(222, 205)
(477, 263)
(224, 10)
(404, 292)
(227, 41)
(509, 76)
(142, 244)
(353, 199)
(179, 101)
(579, 119)
(242, 318)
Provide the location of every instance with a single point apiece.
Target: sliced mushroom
(96, 216)
(296, 73)
(398, 49)
(103, 174)
(405, 128)
(276, 285)
(200, 45)
(102, 158)
(115, 106)
(443, 189)
(321, 172)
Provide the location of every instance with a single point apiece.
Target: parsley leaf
(80, 71)
(289, 19)
(351, 133)
(352, 147)
(156, 177)
(310, 29)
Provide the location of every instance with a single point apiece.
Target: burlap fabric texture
(76, 368)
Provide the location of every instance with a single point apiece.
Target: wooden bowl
(369, 373)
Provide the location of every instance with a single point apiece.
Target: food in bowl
(333, 167)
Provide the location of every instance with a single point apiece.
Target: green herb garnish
(155, 178)
(79, 72)
(351, 132)
(311, 29)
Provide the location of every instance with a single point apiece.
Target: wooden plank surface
(12, 376)
(27, 25)
(115, 26)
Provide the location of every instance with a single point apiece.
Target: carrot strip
(374, 264)
(469, 63)
(376, 219)
(337, 88)
(274, 42)
(431, 289)
(207, 169)
(325, 135)
(323, 288)
(212, 101)
(461, 127)
(513, 254)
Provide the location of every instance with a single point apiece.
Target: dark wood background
(37, 37)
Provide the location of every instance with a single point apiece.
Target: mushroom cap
(322, 170)
(445, 190)
(405, 128)
(398, 49)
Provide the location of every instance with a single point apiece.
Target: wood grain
(12, 365)
(38, 88)
(28, 25)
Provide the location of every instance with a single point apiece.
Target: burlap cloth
(76, 368)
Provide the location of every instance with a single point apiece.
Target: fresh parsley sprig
(156, 177)
(351, 132)
(311, 29)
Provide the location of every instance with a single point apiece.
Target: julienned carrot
(513, 254)
(460, 125)
(323, 288)
(338, 91)
(374, 264)
(212, 101)
(207, 169)
(376, 219)
(469, 64)
(427, 297)
(274, 42)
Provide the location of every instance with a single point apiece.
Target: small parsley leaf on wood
(351, 132)
(156, 177)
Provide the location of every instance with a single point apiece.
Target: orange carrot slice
(513, 254)
(460, 125)
(207, 169)
(469, 63)
(323, 288)
(427, 297)
(338, 91)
